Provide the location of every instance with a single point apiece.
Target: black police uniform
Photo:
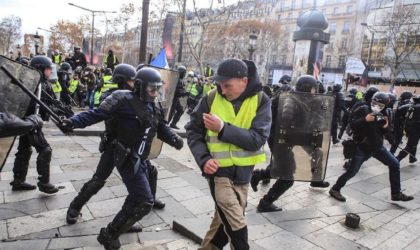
(137, 124)
(412, 129)
(36, 139)
(11, 125)
(289, 111)
(399, 120)
(177, 110)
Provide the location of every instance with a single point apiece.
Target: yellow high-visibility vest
(229, 154)
(56, 87)
(57, 59)
(207, 88)
(108, 84)
(113, 57)
(73, 85)
(194, 91)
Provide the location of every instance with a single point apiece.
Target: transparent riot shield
(302, 136)
(12, 99)
(170, 79)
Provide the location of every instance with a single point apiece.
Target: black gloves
(66, 126)
(36, 120)
(177, 142)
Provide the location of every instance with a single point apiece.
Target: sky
(45, 13)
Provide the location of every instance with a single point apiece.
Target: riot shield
(12, 99)
(302, 136)
(170, 79)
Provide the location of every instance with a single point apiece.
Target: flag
(364, 79)
(316, 71)
(160, 60)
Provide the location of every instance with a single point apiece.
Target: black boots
(337, 195)
(89, 189)
(126, 217)
(320, 184)
(266, 206)
(21, 185)
(47, 188)
(158, 204)
(401, 197)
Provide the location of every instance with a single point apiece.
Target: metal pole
(370, 47)
(181, 35)
(91, 42)
(144, 27)
(251, 52)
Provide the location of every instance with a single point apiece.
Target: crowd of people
(232, 116)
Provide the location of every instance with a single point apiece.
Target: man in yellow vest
(110, 60)
(237, 120)
(56, 57)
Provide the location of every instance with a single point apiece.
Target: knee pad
(45, 153)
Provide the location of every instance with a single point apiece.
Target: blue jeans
(382, 155)
(89, 98)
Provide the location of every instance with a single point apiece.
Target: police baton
(411, 155)
(32, 95)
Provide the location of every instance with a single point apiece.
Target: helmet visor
(152, 92)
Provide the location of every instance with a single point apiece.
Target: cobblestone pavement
(310, 218)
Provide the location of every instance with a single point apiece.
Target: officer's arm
(196, 133)
(254, 138)
(169, 136)
(11, 125)
(103, 112)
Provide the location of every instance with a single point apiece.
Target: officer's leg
(259, 175)
(153, 176)
(178, 113)
(138, 203)
(403, 153)
(90, 188)
(279, 188)
(356, 162)
(43, 163)
(20, 168)
(230, 202)
(398, 138)
(343, 125)
(388, 159)
(413, 147)
(334, 128)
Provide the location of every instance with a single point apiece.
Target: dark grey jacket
(252, 139)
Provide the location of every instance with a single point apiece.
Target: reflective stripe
(56, 87)
(194, 90)
(73, 85)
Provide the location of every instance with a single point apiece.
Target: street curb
(82, 132)
(177, 227)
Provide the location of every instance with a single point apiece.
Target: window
(346, 27)
(283, 59)
(344, 43)
(349, 9)
(273, 58)
(293, 4)
(328, 62)
(333, 26)
(331, 45)
(341, 61)
(278, 17)
(290, 15)
(335, 10)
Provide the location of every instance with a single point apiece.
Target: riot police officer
(412, 129)
(139, 118)
(369, 123)
(177, 110)
(306, 84)
(399, 120)
(36, 139)
(349, 101)
(11, 125)
(64, 80)
(338, 107)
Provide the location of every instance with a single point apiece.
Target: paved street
(310, 220)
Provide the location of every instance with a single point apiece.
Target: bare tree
(10, 32)
(401, 32)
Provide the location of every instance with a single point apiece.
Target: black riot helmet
(369, 93)
(24, 61)
(41, 63)
(285, 79)
(65, 66)
(379, 100)
(123, 74)
(392, 100)
(406, 95)
(148, 83)
(337, 87)
(353, 91)
(307, 83)
(182, 70)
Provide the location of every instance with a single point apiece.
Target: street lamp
(93, 24)
(252, 42)
(372, 32)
